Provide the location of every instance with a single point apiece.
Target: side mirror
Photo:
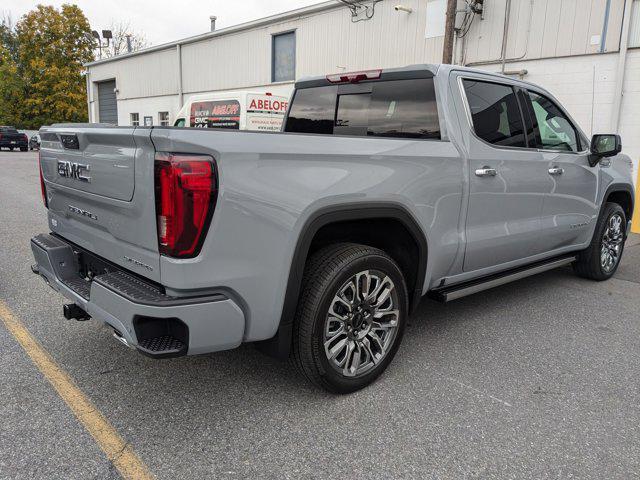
(602, 146)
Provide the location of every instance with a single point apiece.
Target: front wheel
(601, 259)
(350, 318)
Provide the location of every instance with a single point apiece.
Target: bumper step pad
(163, 346)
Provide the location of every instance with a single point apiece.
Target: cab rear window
(396, 108)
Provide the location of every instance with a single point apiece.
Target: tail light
(26, 139)
(186, 190)
(355, 77)
(43, 187)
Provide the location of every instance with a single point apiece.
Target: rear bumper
(13, 143)
(142, 315)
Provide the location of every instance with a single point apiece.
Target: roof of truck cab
(410, 70)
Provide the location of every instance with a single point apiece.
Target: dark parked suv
(10, 138)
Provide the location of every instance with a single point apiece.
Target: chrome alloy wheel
(612, 243)
(362, 323)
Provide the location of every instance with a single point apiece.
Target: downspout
(88, 81)
(505, 35)
(620, 70)
(180, 93)
(605, 26)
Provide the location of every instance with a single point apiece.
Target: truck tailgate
(100, 191)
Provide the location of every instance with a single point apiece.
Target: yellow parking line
(119, 452)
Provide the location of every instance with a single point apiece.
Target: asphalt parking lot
(537, 379)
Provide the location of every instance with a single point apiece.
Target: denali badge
(73, 170)
(138, 263)
(82, 212)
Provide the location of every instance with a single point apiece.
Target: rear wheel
(600, 261)
(350, 318)
(23, 149)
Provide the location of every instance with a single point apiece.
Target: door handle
(556, 171)
(486, 172)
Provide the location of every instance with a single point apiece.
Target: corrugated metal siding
(329, 42)
(325, 42)
(544, 29)
(634, 34)
(143, 75)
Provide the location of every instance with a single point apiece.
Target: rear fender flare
(279, 346)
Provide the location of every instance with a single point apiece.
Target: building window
(135, 119)
(283, 57)
(163, 119)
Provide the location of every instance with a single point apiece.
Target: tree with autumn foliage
(10, 85)
(41, 67)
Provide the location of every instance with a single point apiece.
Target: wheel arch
(623, 195)
(279, 346)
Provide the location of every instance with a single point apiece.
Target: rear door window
(397, 108)
(495, 113)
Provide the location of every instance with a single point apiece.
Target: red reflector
(355, 77)
(43, 188)
(186, 190)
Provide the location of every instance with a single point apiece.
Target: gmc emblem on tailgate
(73, 170)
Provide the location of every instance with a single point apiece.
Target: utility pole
(449, 31)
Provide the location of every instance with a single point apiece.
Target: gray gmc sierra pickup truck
(317, 242)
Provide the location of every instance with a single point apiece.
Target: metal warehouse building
(586, 52)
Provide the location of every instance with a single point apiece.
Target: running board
(454, 292)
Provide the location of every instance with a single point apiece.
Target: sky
(162, 21)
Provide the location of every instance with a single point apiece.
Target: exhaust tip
(118, 336)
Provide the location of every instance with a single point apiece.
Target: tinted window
(554, 130)
(353, 110)
(313, 110)
(495, 113)
(284, 57)
(398, 108)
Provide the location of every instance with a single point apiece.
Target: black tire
(11, 149)
(23, 149)
(589, 264)
(327, 271)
